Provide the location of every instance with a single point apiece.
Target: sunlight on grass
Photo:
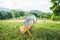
(40, 31)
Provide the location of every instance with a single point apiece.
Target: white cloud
(42, 5)
(6, 3)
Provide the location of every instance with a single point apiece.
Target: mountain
(4, 9)
(34, 11)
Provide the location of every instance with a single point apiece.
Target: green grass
(40, 31)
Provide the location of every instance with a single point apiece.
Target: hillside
(4, 9)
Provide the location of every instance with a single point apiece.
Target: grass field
(40, 31)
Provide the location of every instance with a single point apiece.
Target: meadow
(40, 31)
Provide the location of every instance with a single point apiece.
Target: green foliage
(55, 9)
(11, 14)
(41, 14)
(17, 13)
(53, 17)
(40, 31)
(22, 13)
(45, 15)
(8, 15)
(5, 15)
(56, 18)
(36, 14)
(2, 14)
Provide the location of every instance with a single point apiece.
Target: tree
(8, 15)
(15, 13)
(45, 15)
(5, 15)
(55, 9)
(0, 15)
(36, 14)
(21, 13)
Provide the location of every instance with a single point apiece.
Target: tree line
(19, 13)
(11, 14)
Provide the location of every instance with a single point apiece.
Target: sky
(26, 5)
